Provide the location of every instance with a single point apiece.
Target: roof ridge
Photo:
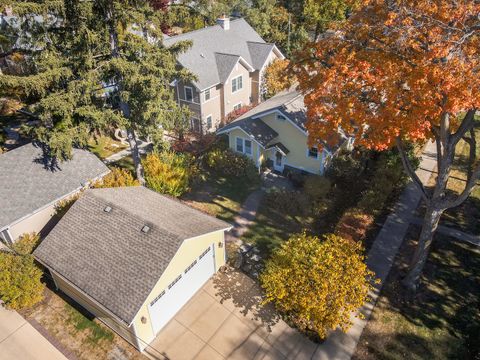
(220, 53)
(202, 29)
(260, 43)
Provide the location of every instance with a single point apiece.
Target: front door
(278, 161)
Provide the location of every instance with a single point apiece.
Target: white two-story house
(229, 60)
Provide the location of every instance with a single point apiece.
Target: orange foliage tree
(397, 71)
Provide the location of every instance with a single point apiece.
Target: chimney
(224, 22)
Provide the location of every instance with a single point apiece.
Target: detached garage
(133, 257)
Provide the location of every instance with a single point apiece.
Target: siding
(257, 151)
(34, 223)
(212, 107)
(241, 96)
(188, 252)
(194, 106)
(121, 329)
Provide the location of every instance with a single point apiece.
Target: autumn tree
(94, 65)
(277, 78)
(401, 71)
(117, 177)
(317, 283)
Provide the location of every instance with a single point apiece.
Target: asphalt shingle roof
(201, 59)
(108, 257)
(27, 184)
(256, 128)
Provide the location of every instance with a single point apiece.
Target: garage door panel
(180, 290)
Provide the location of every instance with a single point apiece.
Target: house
(133, 257)
(229, 60)
(274, 133)
(30, 187)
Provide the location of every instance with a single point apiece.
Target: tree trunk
(430, 223)
(137, 163)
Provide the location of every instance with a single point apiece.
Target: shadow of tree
(246, 296)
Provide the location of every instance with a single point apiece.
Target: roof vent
(145, 229)
(201, 54)
(107, 209)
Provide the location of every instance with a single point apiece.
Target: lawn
(105, 146)
(220, 196)
(77, 331)
(443, 322)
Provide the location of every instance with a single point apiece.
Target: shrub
(227, 163)
(117, 177)
(26, 243)
(317, 187)
(353, 225)
(344, 169)
(277, 77)
(64, 205)
(20, 284)
(293, 203)
(168, 172)
(317, 283)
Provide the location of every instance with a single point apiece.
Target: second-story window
(237, 83)
(207, 94)
(188, 93)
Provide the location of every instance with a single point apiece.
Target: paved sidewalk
(20, 340)
(143, 148)
(380, 259)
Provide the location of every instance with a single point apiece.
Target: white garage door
(180, 290)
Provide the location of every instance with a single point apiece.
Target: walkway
(20, 340)
(142, 148)
(380, 259)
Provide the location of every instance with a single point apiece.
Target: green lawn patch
(443, 321)
(105, 146)
(219, 195)
(82, 324)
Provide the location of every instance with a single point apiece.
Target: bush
(117, 177)
(354, 225)
(168, 172)
(293, 203)
(26, 243)
(317, 187)
(64, 205)
(317, 283)
(20, 284)
(344, 169)
(228, 163)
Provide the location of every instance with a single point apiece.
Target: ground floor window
(313, 153)
(239, 145)
(196, 125)
(209, 122)
(243, 146)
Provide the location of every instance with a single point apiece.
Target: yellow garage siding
(295, 141)
(121, 329)
(34, 223)
(188, 252)
(256, 149)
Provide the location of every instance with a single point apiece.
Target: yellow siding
(116, 325)
(295, 141)
(34, 223)
(240, 96)
(188, 252)
(256, 150)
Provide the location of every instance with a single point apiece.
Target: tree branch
(466, 125)
(471, 182)
(409, 169)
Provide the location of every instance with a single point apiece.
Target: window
(239, 145)
(157, 298)
(281, 117)
(190, 266)
(248, 147)
(313, 153)
(196, 125)
(205, 252)
(237, 107)
(174, 282)
(207, 94)
(237, 84)
(188, 93)
(209, 122)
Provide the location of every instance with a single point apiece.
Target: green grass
(105, 146)
(221, 196)
(82, 324)
(443, 321)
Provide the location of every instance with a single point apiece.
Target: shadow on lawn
(448, 298)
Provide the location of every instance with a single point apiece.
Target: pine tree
(95, 65)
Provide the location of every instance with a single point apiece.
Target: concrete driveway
(20, 340)
(224, 320)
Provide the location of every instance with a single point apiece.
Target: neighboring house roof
(289, 102)
(260, 131)
(28, 183)
(108, 257)
(241, 40)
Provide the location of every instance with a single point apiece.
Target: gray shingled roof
(289, 102)
(256, 128)
(201, 59)
(108, 257)
(27, 184)
(225, 64)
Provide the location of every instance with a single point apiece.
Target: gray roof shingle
(201, 59)
(27, 184)
(108, 257)
(256, 128)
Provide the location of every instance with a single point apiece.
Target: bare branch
(408, 168)
(471, 182)
(466, 125)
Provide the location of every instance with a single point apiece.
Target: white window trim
(235, 78)
(244, 147)
(205, 100)
(240, 104)
(311, 157)
(236, 142)
(199, 124)
(206, 121)
(185, 94)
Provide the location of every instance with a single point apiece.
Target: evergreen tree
(99, 65)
